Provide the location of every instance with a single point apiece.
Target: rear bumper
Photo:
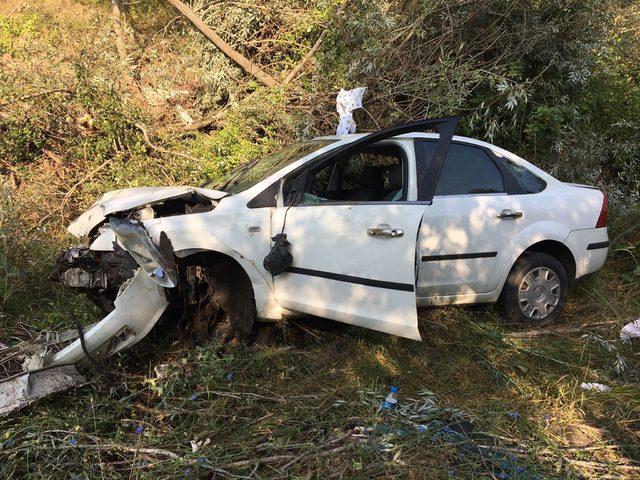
(589, 248)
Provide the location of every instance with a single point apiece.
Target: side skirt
(464, 299)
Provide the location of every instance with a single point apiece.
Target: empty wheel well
(214, 287)
(236, 275)
(559, 251)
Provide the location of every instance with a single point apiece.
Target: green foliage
(10, 29)
(21, 141)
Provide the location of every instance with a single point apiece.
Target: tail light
(604, 212)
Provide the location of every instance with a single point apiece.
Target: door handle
(507, 213)
(385, 231)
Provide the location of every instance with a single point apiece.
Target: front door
(353, 235)
(352, 216)
(354, 264)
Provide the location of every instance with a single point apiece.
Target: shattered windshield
(250, 173)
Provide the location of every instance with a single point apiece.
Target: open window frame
(427, 175)
(339, 165)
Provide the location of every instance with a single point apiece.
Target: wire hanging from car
(97, 365)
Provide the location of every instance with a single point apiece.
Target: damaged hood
(130, 198)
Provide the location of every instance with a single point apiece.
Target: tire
(535, 291)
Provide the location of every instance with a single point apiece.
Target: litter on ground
(598, 387)
(631, 330)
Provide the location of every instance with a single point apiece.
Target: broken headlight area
(156, 261)
(209, 295)
(97, 274)
(100, 274)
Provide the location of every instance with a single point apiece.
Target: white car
(378, 224)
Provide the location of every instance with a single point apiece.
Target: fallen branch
(289, 446)
(237, 396)
(603, 466)
(326, 453)
(202, 124)
(13, 10)
(151, 145)
(246, 64)
(118, 18)
(262, 460)
(293, 459)
(98, 446)
(280, 458)
(557, 331)
(304, 60)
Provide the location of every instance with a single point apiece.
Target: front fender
(223, 234)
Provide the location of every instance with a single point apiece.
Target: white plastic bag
(346, 102)
(595, 386)
(631, 330)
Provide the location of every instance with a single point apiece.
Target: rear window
(468, 170)
(529, 182)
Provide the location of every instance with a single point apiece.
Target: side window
(468, 170)
(529, 182)
(375, 174)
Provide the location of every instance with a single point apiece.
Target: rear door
(353, 224)
(465, 239)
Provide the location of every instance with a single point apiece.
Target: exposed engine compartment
(177, 206)
(213, 295)
(99, 275)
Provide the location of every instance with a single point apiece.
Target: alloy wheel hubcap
(539, 293)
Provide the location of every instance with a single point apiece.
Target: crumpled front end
(123, 271)
(128, 282)
(130, 270)
(137, 308)
(135, 303)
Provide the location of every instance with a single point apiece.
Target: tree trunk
(246, 64)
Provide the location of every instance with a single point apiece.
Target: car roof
(456, 138)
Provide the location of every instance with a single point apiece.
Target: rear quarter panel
(588, 260)
(558, 213)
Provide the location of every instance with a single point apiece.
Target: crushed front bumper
(138, 291)
(137, 309)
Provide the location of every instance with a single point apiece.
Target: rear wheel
(535, 291)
